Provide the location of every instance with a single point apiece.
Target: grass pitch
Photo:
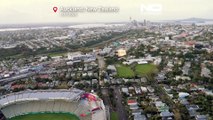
(114, 116)
(124, 71)
(145, 69)
(46, 116)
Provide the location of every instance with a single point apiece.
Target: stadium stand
(88, 107)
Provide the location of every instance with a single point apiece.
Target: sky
(41, 11)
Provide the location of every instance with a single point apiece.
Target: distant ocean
(197, 23)
(25, 28)
(205, 23)
(28, 27)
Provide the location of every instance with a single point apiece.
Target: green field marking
(145, 69)
(124, 71)
(114, 116)
(46, 116)
(57, 54)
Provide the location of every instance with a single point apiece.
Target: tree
(151, 109)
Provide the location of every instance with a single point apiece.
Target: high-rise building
(144, 22)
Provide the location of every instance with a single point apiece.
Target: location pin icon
(55, 9)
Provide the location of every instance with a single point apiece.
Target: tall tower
(144, 22)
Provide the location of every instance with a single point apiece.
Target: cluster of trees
(138, 52)
(111, 60)
(204, 102)
(14, 51)
(101, 39)
(25, 51)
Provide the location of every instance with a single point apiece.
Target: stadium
(74, 104)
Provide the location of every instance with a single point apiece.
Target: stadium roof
(69, 95)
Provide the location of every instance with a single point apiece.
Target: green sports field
(145, 69)
(46, 116)
(114, 116)
(125, 71)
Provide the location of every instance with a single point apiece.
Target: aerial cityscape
(148, 67)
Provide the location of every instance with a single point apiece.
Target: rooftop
(40, 95)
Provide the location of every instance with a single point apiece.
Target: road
(107, 102)
(105, 93)
(101, 65)
(101, 62)
(119, 106)
(16, 77)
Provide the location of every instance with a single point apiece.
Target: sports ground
(126, 71)
(46, 116)
(145, 69)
